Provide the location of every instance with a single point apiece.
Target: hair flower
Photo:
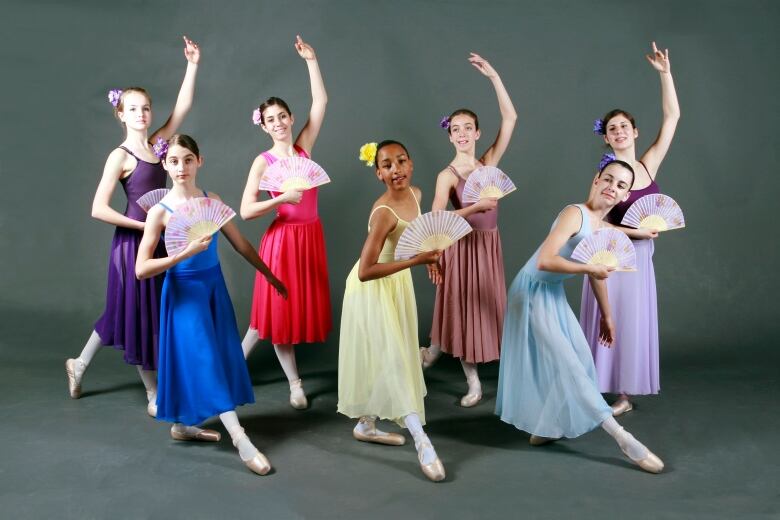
(598, 127)
(606, 159)
(113, 96)
(257, 117)
(160, 148)
(445, 122)
(368, 153)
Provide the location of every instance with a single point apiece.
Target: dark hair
(625, 165)
(185, 141)
(463, 112)
(387, 142)
(616, 112)
(272, 101)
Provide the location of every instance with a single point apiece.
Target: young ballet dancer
(294, 244)
(202, 372)
(471, 292)
(547, 381)
(379, 366)
(131, 317)
(631, 368)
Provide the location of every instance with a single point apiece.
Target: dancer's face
(182, 164)
(612, 186)
(136, 111)
(620, 133)
(277, 122)
(463, 132)
(394, 167)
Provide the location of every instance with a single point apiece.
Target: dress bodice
(144, 178)
(303, 212)
(391, 241)
(565, 251)
(484, 220)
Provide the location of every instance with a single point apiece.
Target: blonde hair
(120, 106)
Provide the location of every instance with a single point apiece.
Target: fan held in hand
(293, 173)
(194, 219)
(431, 231)
(607, 246)
(656, 211)
(150, 198)
(486, 182)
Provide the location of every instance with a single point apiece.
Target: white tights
(633, 448)
(421, 442)
(285, 354)
(93, 345)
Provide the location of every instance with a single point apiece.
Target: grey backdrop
(392, 69)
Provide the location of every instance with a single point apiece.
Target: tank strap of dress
(166, 207)
(128, 151)
(205, 194)
(374, 211)
(419, 212)
(455, 171)
(582, 214)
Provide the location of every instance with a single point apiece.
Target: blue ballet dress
(201, 370)
(547, 380)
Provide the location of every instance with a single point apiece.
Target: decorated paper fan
(607, 246)
(194, 219)
(429, 231)
(655, 211)
(150, 198)
(485, 182)
(293, 173)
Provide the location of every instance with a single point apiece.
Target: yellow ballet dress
(379, 358)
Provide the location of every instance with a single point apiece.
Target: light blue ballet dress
(547, 380)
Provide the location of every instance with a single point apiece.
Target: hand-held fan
(607, 246)
(150, 198)
(656, 211)
(485, 182)
(430, 231)
(196, 218)
(293, 173)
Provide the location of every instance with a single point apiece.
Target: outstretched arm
(319, 97)
(186, 93)
(654, 155)
(101, 209)
(508, 114)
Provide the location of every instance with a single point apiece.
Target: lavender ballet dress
(468, 315)
(131, 318)
(630, 366)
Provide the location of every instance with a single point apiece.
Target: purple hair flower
(113, 96)
(606, 159)
(598, 127)
(257, 117)
(445, 122)
(160, 148)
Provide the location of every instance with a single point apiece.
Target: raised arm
(319, 97)
(101, 210)
(654, 155)
(251, 206)
(186, 93)
(146, 266)
(508, 114)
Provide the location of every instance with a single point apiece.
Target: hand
(659, 60)
(292, 196)
(281, 290)
(191, 51)
(606, 331)
(487, 204)
(428, 257)
(482, 65)
(645, 234)
(196, 246)
(305, 50)
(599, 271)
(434, 273)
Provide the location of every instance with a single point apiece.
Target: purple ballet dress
(630, 366)
(131, 318)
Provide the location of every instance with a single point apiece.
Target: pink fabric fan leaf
(430, 231)
(293, 173)
(194, 219)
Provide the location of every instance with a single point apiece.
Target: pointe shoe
(621, 406)
(258, 463)
(650, 463)
(538, 440)
(151, 407)
(297, 397)
(371, 434)
(469, 400)
(200, 435)
(426, 358)
(74, 381)
(435, 470)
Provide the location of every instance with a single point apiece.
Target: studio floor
(715, 425)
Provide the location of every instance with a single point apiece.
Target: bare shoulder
(417, 192)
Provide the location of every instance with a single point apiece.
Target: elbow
(542, 264)
(140, 272)
(95, 213)
(364, 275)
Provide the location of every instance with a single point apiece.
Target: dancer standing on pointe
(631, 368)
(131, 317)
(470, 289)
(294, 244)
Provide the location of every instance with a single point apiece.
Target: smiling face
(135, 111)
(394, 166)
(182, 164)
(278, 122)
(620, 133)
(612, 185)
(463, 132)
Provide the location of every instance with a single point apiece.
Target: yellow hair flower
(368, 153)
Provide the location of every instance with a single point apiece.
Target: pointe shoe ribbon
(74, 380)
(435, 470)
(258, 463)
(297, 397)
(426, 358)
(371, 434)
(151, 407)
(650, 463)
